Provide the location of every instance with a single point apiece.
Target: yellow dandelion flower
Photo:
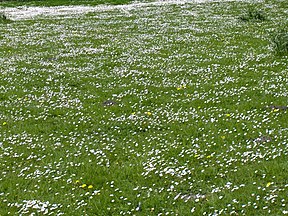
(4, 123)
(209, 156)
(268, 184)
(90, 186)
(196, 156)
(83, 185)
(148, 113)
(77, 181)
(228, 115)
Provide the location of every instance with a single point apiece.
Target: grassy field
(13, 3)
(168, 109)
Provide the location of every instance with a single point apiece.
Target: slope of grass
(176, 109)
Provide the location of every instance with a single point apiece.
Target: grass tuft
(280, 41)
(253, 14)
(4, 18)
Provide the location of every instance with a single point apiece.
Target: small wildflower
(223, 137)
(138, 208)
(90, 186)
(268, 184)
(4, 123)
(209, 156)
(178, 88)
(77, 181)
(275, 110)
(196, 156)
(228, 115)
(83, 185)
(149, 113)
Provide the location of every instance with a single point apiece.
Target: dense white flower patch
(31, 12)
(33, 206)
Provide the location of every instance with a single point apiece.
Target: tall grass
(280, 41)
(253, 14)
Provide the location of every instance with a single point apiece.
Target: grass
(13, 3)
(4, 18)
(253, 14)
(280, 41)
(142, 111)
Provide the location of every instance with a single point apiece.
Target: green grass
(12, 3)
(198, 121)
(253, 14)
(4, 18)
(280, 41)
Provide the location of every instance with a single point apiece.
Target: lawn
(14, 3)
(164, 108)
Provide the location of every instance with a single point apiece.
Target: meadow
(15, 3)
(156, 108)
